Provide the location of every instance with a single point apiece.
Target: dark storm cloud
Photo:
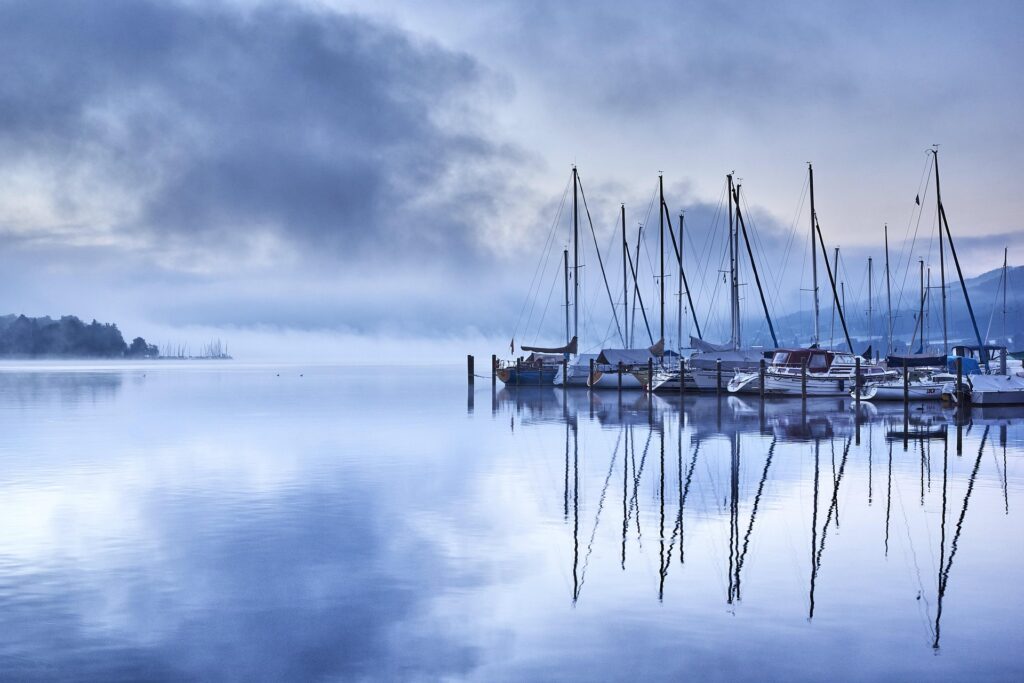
(319, 127)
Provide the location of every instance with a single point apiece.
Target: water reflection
(316, 523)
(838, 435)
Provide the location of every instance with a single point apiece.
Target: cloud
(189, 128)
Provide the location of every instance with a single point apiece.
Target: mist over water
(225, 521)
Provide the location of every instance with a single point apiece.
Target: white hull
(610, 380)
(997, 390)
(577, 376)
(707, 380)
(787, 385)
(916, 391)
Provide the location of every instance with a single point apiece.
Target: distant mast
(661, 252)
(575, 256)
(679, 315)
(888, 289)
(871, 319)
(814, 258)
(944, 222)
(734, 333)
(942, 255)
(565, 277)
(625, 279)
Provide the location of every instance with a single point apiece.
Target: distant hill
(69, 337)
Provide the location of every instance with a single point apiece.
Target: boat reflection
(661, 445)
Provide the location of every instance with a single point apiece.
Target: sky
(339, 177)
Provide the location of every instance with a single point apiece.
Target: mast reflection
(687, 490)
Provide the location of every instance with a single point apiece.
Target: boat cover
(915, 360)
(731, 359)
(701, 345)
(568, 348)
(625, 356)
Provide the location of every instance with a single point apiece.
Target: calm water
(231, 522)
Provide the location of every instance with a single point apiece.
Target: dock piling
(682, 376)
(469, 369)
(856, 383)
(620, 376)
(761, 370)
(650, 375)
(906, 383)
(494, 371)
(803, 380)
(718, 377)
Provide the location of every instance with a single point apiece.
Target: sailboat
(813, 371)
(546, 365)
(712, 366)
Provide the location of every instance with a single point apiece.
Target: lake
(224, 521)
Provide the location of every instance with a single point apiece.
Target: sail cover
(701, 345)
(568, 348)
(915, 360)
(625, 356)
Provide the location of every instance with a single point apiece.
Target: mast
(888, 289)
(835, 302)
(734, 334)
(633, 266)
(1006, 283)
(753, 266)
(960, 274)
(565, 276)
(661, 250)
(678, 248)
(871, 328)
(575, 254)
(814, 257)
(920, 314)
(927, 309)
(942, 256)
(625, 277)
(832, 283)
(679, 298)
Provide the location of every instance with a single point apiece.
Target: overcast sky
(394, 168)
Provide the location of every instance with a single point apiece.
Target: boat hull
(610, 380)
(528, 376)
(893, 391)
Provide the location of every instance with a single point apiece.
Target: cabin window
(817, 362)
(780, 358)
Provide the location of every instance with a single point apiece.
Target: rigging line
(541, 258)
(600, 261)
(547, 304)
(704, 260)
(920, 211)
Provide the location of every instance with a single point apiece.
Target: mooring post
(519, 366)
(682, 376)
(760, 371)
(494, 371)
(803, 380)
(856, 382)
(469, 369)
(959, 379)
(906, 383)
(718, 376)
(620, 376)
(565, 373)
(590, 377)
(650, 374)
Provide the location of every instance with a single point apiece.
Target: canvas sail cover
(568, 348)
(915, 360)
(701, 345)
(625, 356)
